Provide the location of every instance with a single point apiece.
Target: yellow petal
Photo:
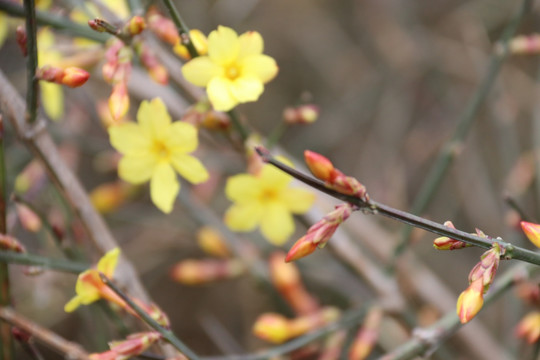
(182, 137)
(154, 118)
(246, 89)
(3, 28)
(52, 99)
(190, 168)
(136, 169)
(223, 45)
(277, 224)
(88, 285)
(243, 217)
(242, 188)
(220, 95)
(201, 70)
(108, 262)
(251, 43)
(45, 39)
(129, 138)
(72, 304)
(164, 187)
(263, 67)
(271, 177)
(298, 201)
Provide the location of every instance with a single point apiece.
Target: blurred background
(392, 81)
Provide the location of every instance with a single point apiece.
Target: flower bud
(301, 248)
(74, 77)
(97, 25)
(303, 114)
(21, 38)
(163, 27)
(9, 243)
(156, 71)
(212, 243)
(135, 26)
(106, 355)
(487, 267)
(119, 101)
(366, 337)
(135, 343)
(199, 41)
(532, 231)
(521, 45)
(28, 218)
(196, 272)
(320, 166)
(470, 301)
(445, 243)
(333, 345)
(273, 328)
(529, 327)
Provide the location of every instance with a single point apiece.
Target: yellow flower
(51, 94)
(267, 200)
(153, 149)
(235, 69)
(198, 39)
(90, 288)
(3, 28)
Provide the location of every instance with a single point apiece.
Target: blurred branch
(183, 29)
(449, 150)
(426, 341)
(31, 61)
(373, 207)
(55, 21)
(45, 262)
(52, 340)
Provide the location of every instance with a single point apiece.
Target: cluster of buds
(116, 71)
(319, 233)
(366, 338)
(110, 196)
(529, 327)
(286, 278)
(446, 243)
(133, 345)
(480, 278)
(71, 76)
(323, 169)
(276, 328)
(521, 45)
(196, 272)
(302, 114)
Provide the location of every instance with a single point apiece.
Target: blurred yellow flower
(3, 28)
(51, 94)
(265, 199)
(153, 149)
(90, 288)
(199, 41)
(235, 69)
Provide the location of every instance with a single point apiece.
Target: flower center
(161, 150)
(232, 72)
(268, 195)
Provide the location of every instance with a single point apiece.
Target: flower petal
(154, 118)
(297, 200)
(263, 67)
(72, 304)
(136, 169)
(201, 70)
(190, 168)
(243, 217)
(242, 188)
(220, 95)
(271, 177)
(164, 187)
(88, 285)
(129, 138)
(223, 45)
(251, 43)
(277, 224)
(246, 89)
(108, 262)
(182, 137)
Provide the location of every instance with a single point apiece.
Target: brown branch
(43, 335)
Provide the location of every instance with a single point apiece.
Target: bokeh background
(392, 79)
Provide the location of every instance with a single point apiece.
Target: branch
(31, 61)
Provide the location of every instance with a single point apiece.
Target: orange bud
(532, 231)
(156, 71)
(366, 337)
(135, 343)
(28, 218)
(106, 355)
(304, 324)
(522, 45)
(273, 328)
(212, 243)
(470, 301)
(445, 243)
(119, 101)
(529, 327)
(163, 27)
(135, 25)
(320, 166)
(9, 243)
(196, 272)
(74, 77)
(301, 248)
(487, 267)
(303, 114)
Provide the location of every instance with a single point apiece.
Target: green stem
(244, 133)
(448, 152)
(183, 29)
(276, 134)
(55, 21)
(166, 333)
(31, 62)
(370, 206)
(45, 262)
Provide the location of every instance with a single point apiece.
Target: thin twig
(31, 61)
(46, 337)
(183, 29)
(371, 206)
(166, 333)
(42, 261)
(448, 152)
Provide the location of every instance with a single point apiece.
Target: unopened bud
(532, 231)
(9, 243)
(212, 242)
(303, 114)
(301, 248)
(470, 301)
(529, 327)
(28, 218)
(74, 77)
(156, 71)
(135, 26)
(21, 38)
(529, 292)
(366, 338)
(196, 272)
(521, 45)
(320, 166)
(273, 328)
(134, 343)
(487, 267)
(99, 25)
(163, 27)
(446, 243)
(119, 101)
